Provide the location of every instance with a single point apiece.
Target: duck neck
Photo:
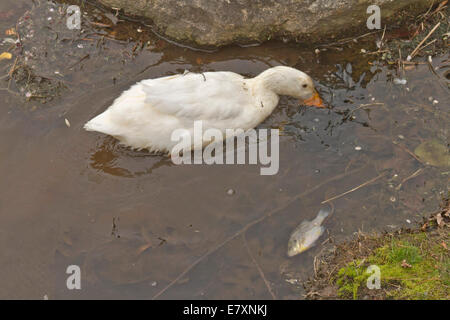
(273, 80)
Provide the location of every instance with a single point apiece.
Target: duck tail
(99, 124)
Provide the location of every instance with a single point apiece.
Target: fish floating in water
(306, 234)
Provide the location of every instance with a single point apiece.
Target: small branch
(423, 41)
(415, 174)
(354, 189)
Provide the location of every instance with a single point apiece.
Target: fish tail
(323, 213)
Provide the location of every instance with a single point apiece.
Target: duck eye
(305, 86)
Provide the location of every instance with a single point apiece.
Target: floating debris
(306, 234)
(10, 32)
(10, 40)
(230, 192)
(434, 153)
(67, 122)
(400, 81)
(358, 148)
(5, 55)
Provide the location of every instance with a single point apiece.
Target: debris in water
(10, 32)
(67, 122)
(5, 55)
(363, 51)
(435, 102)
(358, 148)
(230, 192)
(9, 40)
(306, 234)
(433, 152)
(400, 81)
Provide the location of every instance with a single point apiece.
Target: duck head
(292, 82)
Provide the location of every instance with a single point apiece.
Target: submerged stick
(354, 189)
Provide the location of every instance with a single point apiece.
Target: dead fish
(306, 234)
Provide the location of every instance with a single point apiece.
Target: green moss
(424, 276)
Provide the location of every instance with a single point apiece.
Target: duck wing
(198, 96)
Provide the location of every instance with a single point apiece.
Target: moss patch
(413, 264)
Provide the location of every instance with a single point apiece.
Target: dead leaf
(5, 55)
(10, 32)
(444, 245)
(406, 264)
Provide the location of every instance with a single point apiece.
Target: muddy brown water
(140, 227)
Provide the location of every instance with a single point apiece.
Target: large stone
(221, 22)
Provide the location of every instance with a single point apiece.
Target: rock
(221, 22)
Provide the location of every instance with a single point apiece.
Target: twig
(261, 273)
(368, 105)
(424, 39)
(354, 189)
(415, 174)
(408, 151)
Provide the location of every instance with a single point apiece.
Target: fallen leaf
(444, 245)
(5, 55)
(10, 32)
(433, 152)
(406, 264)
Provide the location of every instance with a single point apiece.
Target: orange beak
(314, 101)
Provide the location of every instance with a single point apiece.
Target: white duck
(145, 116)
